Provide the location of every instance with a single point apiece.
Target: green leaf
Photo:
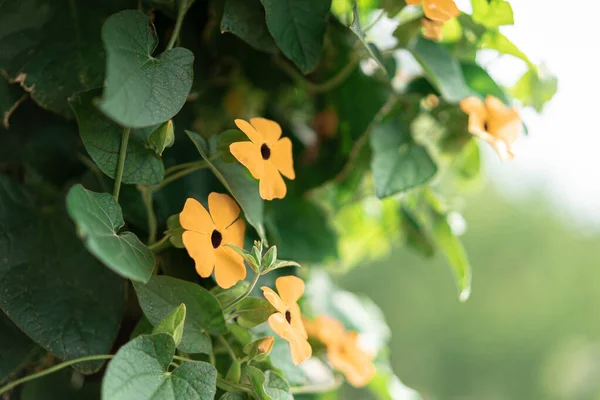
(162, 137)
(226, 296)
(237, 181)
(234, 396)
(398, 163)
(415, 234)
(143, 327)
(535, 88)
(495, 40)
(269, 258)
(140, 371)
(455, 253)
(269, 385)
(102, 140)
(53, 289)
(203, 311)
(250, 258)
(142, 90)
(246, 19)
(175, 231)
(298, 27)
(225, 139)
(234, 373)
(172, 324)
(15, 347)
(253, 311)
(303, 231)
(392, 7)
(481, 82)
(492, 13)
(98, 218)
(53, 48)
(441, 69)
(280, 264)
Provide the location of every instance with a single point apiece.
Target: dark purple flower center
(216, 238)
(288, 317)
(265, 151)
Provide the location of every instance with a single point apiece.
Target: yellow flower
(437, 10)
(287, 321)
(267, 156)
(206, 235)
(432, 29)
(343, 350)
(495, 123)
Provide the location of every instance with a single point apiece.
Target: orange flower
(266, 345)
(495, 123)
(432, 29)
(206, 234)
(343, 351)
(437, 10)
(287, 321)
(267, 156)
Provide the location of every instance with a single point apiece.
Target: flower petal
(200, 249)
(281, 157)
(290, 289)
(299, 346)
(234, 234)
(472, 105)
(194, 217)
(248, 154)
(229, 267)
(271, 184)
(255, 136)
(296, 320)
(274, 299)
(440, 10)
(270, 130)
(223, 210)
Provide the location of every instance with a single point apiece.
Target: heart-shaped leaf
(298, 27)
(102, 140)
(398, 162)
(172, 324)
(142, 90)
(203, 311)
(140, 371)
(53, 289)
(98, 217)
(246, 19)
(237, 181)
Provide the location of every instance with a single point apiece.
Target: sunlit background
(531, 329)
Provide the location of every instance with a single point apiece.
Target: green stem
(178, 167)
(50, 370)
(160, 245)
(198, 165)
(225, 343)
(374, 22)
(121, 163)
(178, 23)
(243, 295)
(326, 86)
(147, 195)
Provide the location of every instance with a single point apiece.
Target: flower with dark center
(265, 151)
(205, 235)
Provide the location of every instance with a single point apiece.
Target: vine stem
(160, 245)
(50, 370)
(178, 23)
(243, 295)
(359, 144)
(121, 163)
(147, 198)
(228, 347)
(179, 174)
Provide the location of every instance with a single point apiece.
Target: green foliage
(116, 114)
(142, 90)
(140, 370)
(99, 218)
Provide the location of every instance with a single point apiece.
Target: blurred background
(531, 329)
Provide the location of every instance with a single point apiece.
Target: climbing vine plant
(180, 178)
